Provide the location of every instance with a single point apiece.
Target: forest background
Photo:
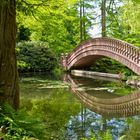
(45, 29)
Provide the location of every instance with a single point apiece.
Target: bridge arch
(89, 51)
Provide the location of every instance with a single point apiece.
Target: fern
(19, 125)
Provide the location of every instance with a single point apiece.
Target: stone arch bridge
(87, 52)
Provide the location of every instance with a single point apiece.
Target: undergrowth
(18, 125)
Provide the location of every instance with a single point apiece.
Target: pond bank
(91, 73)
(133, 80)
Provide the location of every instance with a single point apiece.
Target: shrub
(35, 56)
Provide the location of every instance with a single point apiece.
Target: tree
(9, 88)
(84, 18)
(123, 21)
(81, 22)
(131, 15)
(54, 23)
(103, 16)
(105, 13)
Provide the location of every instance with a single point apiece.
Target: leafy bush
(35, 56)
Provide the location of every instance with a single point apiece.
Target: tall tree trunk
(81, 22)
(103, 14)
(84, 25)
(9, 88)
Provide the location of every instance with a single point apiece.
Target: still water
(76, 108)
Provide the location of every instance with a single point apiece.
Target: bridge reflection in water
(122, 106)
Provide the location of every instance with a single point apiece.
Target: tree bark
(103, 13)
(81, 22)
(84, 25)
(9, 88)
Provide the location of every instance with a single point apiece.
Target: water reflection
(103, 111)
(91, 125)
(67, 119)
(108, 107)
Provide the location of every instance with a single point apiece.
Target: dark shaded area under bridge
(86, 62)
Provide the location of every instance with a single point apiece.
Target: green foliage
(102, 135)
(124, 22)
(110, 66)
(18, 125)
(23, 34)
(131, 15)
(134, 132)
(56, 23)
(35, 56)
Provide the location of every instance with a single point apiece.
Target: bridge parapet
(114, 45)
(121, 51)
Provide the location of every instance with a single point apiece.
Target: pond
(74, 108)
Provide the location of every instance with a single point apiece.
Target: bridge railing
(129, 53)
(118, 46)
